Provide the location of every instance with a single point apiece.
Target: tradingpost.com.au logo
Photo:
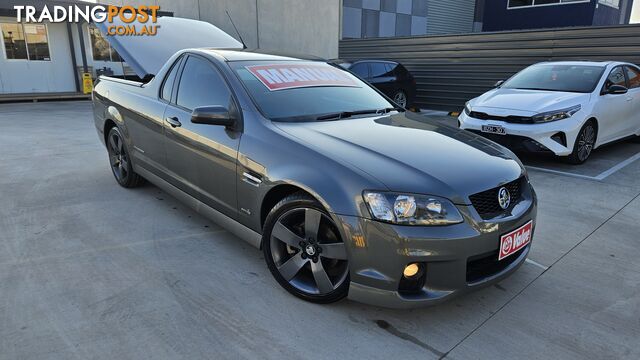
(134, 21)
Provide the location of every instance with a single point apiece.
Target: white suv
(567, 108)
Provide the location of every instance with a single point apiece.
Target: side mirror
(617, 90)
(498, 83)
(213, 115)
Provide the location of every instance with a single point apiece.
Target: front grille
(486, 202)
(510, 119)
(515, 142)
(484, 266)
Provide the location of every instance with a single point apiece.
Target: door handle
(174, 122)
(629, 99)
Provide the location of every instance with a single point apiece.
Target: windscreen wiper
(348, 114)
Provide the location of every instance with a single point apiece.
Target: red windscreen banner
(289, 76)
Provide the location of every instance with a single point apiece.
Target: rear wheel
(304, 251)
(584, 144)
(400, 98)
(120, 161)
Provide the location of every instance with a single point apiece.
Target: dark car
(345, 192)
(390, 77)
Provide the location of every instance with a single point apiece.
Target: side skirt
(203, 209)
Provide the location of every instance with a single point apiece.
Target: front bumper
(457, 258)
(530, 137)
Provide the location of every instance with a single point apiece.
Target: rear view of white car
(565, 108)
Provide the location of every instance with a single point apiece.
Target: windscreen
(304, 91)
(567, 78)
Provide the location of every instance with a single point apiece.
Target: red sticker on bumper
(289, 76)
(517, 239)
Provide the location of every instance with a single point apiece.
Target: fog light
(411, 270)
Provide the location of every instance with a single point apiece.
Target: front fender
(339, 193)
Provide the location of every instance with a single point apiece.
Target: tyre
(584, 144)
(120, 161)
(304, 251)
(400, 98)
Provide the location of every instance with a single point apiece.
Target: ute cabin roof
(260, 55)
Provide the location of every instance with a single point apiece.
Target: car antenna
(244, 46)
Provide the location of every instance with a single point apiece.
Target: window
(616, 77)
(307, 103)
(612, 3)
(390, 68)
(25, 41)
(378, 69)
(101, 49)
(512, 4)
(169, 80)
(633, 74)
(37, 42)
(360, 69)
(556, 77)
(201, 85)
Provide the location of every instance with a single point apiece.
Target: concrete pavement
(89, 270)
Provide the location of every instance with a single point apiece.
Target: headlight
(556, 115)
(411, 209)
(467, 108)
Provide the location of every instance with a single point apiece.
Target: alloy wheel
(307, 251)
(586, 141)
(118, 157)
(400, 98)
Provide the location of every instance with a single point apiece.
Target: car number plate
(494, 129)
(511, 242)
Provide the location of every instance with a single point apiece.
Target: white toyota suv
(567, 108)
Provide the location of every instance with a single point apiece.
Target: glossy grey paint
(226, 175)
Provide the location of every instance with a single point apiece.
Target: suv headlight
(555, 115)
(411, 209)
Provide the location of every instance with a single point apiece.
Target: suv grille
(486, 202)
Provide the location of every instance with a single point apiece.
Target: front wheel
(304, 251)
(584, 144)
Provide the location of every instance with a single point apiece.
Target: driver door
(201, 158)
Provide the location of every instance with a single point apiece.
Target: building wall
(450, 17)
(383, 18)
(497, 17)
(24, 76)
(391, 18)
(299, 26)
(607, 15)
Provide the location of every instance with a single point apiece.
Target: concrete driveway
(89, 270)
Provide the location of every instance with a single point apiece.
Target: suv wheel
(304, 251)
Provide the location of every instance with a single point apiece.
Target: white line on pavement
(603, 175)
(561, 173)
(614, 169)
(537, 264)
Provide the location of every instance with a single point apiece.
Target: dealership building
(48, 59)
